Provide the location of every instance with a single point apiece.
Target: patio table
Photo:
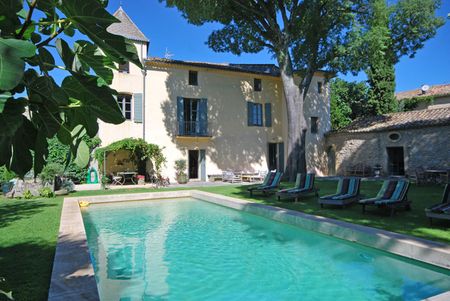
(435, 174)
(128, 176)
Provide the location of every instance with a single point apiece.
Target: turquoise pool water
(186, 249)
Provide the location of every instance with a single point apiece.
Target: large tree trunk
(296, 124)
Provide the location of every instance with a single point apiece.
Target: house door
(273, 156)
(331, 154)
(396, 161)
(193, 164)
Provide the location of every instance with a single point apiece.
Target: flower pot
(182, 179)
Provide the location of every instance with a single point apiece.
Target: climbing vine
(139, 148)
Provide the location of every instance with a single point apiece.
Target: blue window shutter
(249, 113)
(137, 98)
(203, 117)
(268, 113)
(180, 115)
(281, 157)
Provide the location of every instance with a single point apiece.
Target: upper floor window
(257, 84)
(254, 112)
(314, 125)
(193, 78)
(319, 87)
(124, 101)
(124, 68)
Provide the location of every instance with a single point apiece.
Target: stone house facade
(399, 143)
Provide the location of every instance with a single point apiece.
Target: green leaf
(92, 20)
(65, 53)
(98, 100)
(23, 143)
(40, 152)
(12, 65)
(9, 20)
(82, 158)
(92, 56)
(47, 60)
(11, 117)
(5, 150)
(3, 98)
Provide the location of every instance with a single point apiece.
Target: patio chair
(392, 195)
(116, 180)
(305, 189)
(273, 184)
(441, 210)
(347, 193)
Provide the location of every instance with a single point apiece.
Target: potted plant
(377, 169)
(180, 171)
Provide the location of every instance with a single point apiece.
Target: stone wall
(423, 147)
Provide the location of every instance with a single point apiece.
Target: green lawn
(28, 228)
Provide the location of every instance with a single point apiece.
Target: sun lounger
(270, 188)
(347, 192)
(299, 183)
(303, 190)
(392, 195)
(270, 177)
(441, 210)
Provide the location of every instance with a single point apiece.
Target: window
(257, 84)
(193, 78)
(254, 113)
(394, 137)
(319, 87)
(192, 116)
(314, 125)
(124, 68)
(124, 101)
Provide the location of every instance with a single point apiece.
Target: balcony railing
(193, 129)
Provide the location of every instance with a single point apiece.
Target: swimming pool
(187, 249)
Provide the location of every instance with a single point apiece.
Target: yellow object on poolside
(83, 203)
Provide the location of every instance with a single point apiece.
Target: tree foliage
(349, 101)
(139, 148)
(33, 106)
(383, 34)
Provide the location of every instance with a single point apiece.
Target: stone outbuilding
(398, 143)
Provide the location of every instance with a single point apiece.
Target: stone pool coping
(73, 274)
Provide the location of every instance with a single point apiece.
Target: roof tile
(399, 121)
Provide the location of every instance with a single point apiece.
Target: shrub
(50, 171)
(28, 194)
(46, 192)
(6, 175)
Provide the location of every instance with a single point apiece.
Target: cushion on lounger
(398, 190)
(390, 190)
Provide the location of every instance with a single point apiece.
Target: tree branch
(50, 38)
(27, 20)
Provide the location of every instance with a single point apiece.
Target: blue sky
(168, 30)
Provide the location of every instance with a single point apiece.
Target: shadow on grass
(13, 210)
(26, 268)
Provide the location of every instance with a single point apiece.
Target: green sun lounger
(302, 190)
(272, 184)
(347, 192)
(441, 210)
(392, 195)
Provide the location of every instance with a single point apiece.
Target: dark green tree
(33, 107)
(384, 34)
(301, 34)
(349, 101)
